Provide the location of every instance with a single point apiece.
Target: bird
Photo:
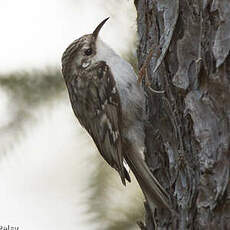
(110, 104)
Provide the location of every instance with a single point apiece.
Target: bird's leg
(143, 71)
(148, 84)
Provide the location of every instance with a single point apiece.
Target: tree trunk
(189, 138)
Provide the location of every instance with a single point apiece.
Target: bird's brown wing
(96, 103)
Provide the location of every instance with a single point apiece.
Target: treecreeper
(110, 104)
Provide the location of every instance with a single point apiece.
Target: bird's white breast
(122, 70)
(131, 94)
(123, 73)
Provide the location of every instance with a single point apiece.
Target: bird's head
(79, 54)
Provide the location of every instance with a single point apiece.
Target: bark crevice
(188, 143)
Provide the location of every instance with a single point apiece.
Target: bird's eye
(88, 52)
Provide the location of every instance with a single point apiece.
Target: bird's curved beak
(97, 30)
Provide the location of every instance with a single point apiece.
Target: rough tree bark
(188, 145)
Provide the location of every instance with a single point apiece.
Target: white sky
(34, 33)
(42, 177)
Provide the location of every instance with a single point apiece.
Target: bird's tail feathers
(151, 188)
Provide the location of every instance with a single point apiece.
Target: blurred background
(51, 175)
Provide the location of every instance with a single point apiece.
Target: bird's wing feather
(94, 91)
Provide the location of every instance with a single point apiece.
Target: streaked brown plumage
(110, 105)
